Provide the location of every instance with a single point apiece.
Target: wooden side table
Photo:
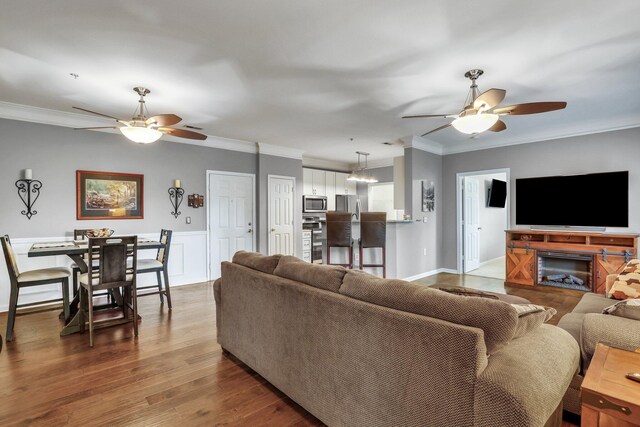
(608, 398)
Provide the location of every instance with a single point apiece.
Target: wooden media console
(565, 259)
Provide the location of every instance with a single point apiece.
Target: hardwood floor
(173, 374)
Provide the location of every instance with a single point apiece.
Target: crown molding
(424, 144)
(374, 164)
(310, 162)
(487, 145)
(27, 113)
(280, 151)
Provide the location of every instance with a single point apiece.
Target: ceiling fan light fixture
(476, 123)
(141, 135)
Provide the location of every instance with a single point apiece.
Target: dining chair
(339, 235)
(160, 266)
(44, 276)
(117, 260)
(81, 234)
(373, 234)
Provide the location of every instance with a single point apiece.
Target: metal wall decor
(28, 187)
(175, 196)
(195, 200)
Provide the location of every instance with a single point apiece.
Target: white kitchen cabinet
(350, 187)
(341, 181)
(307, 181)
(319, 182)
(331, 190)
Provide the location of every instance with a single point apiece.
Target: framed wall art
(428, 196)
(109, 195)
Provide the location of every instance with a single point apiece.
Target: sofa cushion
(497, 319)
(469, 292)
(257, 261)
(629, 308)
(530, 317)
(328, 277)
(627, 284)
(572, 323)
(592, 303)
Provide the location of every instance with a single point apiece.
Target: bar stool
(339, 235)
(373, 234)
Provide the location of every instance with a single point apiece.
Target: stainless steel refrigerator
(348, 203)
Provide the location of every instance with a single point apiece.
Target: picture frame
(109, 195)
(428, 196)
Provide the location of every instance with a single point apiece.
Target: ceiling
(312, 74)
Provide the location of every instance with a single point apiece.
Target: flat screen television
(593, 200)
(497, 197)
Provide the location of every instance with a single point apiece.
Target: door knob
(250, 231)
(273, 229)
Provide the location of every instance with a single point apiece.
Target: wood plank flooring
(174, 373)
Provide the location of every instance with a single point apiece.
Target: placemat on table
(53, 245)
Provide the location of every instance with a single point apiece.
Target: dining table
(77, 251)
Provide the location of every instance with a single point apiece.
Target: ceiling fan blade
(530, 108)
(499, 126)
(183, 133)
(164, 120)
(98, 114)
(419, 116)
(437, 129)
(97, 127)
(490, 98)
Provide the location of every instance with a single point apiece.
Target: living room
(244, 99)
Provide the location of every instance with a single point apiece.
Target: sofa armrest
(608, 329)
(217, 295)
(525, 382)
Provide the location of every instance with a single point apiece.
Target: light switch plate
(424, 219)
(188, 219)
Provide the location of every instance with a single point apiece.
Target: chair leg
(82, 309)
(328, 255)
(65, 299)
(360, 253)
(13, 307)
(90, 303)
(159, 277)
(76, 271)
(134, 303)
(384, 262)
(167, 288)
(351, 256)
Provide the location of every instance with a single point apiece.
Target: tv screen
(574, 200)
(497, 194)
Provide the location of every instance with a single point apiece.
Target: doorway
(480, 227)
(280, 211)
(230, 217)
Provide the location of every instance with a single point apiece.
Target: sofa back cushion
(257, 261)
(328, 277)
(497, 319)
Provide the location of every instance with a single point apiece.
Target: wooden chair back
(117, 261)
(10, 258)
(339, 229)
(373, 229)
(163, 253)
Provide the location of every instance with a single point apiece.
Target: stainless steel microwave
(314, 204)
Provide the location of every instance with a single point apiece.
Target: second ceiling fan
(481, 112)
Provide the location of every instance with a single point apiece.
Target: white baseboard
(187, 264)
(430, 273)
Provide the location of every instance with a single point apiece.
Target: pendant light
(360, 174)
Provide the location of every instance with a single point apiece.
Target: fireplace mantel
(609, 253)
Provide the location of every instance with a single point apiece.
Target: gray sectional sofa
(357, 350)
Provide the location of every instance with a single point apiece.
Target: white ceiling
(312, 74)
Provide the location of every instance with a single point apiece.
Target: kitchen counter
(389, 221)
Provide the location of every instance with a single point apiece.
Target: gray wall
(55, 153)
(414, 239)
(273, 165)
(492, 220)
(602, 152)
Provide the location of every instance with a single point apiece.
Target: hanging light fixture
(360, 174)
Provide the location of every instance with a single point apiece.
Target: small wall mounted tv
(593, 200)
(497, 197)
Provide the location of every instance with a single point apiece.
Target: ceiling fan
(481, 112)
(143, 129)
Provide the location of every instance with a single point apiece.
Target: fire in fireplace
(567, 270)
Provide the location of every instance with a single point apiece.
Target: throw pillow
(627, 284)
(629, 308)
(530, 317)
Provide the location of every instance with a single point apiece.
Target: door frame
(295, 235)
(459, 188)
(208, 208)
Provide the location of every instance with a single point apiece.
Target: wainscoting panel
(187, 264)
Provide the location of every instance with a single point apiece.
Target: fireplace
(566, 270)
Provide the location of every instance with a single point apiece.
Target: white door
(331, 191)
(471, 221)
(281, 229)
(231, 217)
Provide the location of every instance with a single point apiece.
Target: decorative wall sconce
(175, 196)
(195, 200)
(28, 187)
